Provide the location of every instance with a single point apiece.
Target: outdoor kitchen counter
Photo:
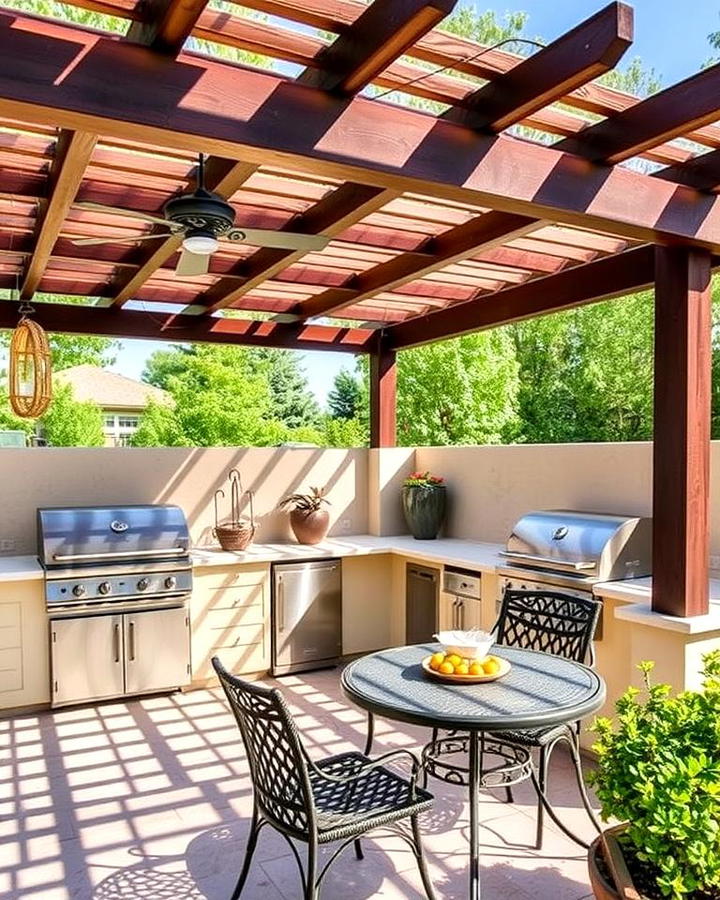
(634, 597)
(20, 568)
(474, 555)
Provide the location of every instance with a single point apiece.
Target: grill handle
(125, 554)
(554, 563)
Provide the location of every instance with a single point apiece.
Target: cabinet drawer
(243, 636)
(240, 660)
(11, 676)
(10, 626)
(235, 596)
(233, 616)
(225, 578)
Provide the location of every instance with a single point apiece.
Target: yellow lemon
(491, 666)
(454, 659)
(446, 668)
(462, 669)
(436, 660)
(476, 668)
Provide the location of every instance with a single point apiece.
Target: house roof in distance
(109, 390)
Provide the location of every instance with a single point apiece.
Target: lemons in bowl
(453, 664)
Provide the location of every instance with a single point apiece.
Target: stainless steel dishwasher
(421, 603)
(306, 616)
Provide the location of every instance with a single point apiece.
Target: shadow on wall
(187, 477)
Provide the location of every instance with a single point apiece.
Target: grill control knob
(143, 584)
(104, 587)
(170, 582)
(79, 590)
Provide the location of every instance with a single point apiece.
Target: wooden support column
(681, 450)
(383, 389)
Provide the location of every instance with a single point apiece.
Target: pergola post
(681, 449)
(383, 390)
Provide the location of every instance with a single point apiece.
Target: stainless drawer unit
(464, 591)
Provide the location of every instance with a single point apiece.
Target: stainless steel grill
(570, 551)
(117, 584)
(97, 556)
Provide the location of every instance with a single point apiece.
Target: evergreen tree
(344, 398)
(293, 403)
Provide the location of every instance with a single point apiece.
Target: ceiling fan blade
(284, 240)
(117, 211)
(193, 264)
(89, 242)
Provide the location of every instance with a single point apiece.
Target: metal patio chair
(551, 622)
(339, 798)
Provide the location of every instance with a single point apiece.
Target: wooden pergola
(441, 222)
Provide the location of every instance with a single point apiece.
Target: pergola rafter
(438, 224)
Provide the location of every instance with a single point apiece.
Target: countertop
(636, 594)
(20, 568)
(474, 555)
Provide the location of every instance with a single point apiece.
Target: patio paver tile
(149, 798)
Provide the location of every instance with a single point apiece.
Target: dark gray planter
(424, 508)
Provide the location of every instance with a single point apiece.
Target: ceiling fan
(203, 218)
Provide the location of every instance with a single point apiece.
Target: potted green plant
(659, 773)
(424, 502)
(308, 520)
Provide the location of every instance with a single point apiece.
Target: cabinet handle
(461, 610)
(455, 615)
(131, 641)
(281, 606)
(116, 641)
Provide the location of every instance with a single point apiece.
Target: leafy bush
(659, 770)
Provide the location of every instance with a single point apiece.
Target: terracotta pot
(309, 527)
(601, 888)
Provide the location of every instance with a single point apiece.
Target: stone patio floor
(151, 799)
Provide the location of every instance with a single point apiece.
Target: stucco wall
(186, 476)
(490, 487)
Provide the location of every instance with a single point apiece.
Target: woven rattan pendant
(30, 379)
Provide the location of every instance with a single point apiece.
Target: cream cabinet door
(470, 613)
(448, 613)
(230, 619)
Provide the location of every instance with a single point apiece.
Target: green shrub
(659, 770)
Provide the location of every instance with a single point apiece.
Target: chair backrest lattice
(277, 761)
(548, 621)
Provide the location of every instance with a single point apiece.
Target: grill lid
(600, 546)
(83, 535)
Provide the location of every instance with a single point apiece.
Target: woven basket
(235, 536)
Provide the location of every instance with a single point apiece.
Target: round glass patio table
(540, 690)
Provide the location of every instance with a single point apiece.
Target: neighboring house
(122, 400)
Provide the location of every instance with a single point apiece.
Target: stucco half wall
(189, 477)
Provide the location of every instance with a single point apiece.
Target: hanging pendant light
(30, 376)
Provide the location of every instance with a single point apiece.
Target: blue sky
(670, 36)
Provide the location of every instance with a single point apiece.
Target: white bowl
(468, 644)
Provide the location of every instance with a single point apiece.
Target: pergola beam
(677, 110)
(72, 155)
(109, 322)
(458, 243)
(330, 216)
(49, 75)
(381, 34)
(166, 24)
(611, 276)
(701, 172)
(681, 440)
(593, 47)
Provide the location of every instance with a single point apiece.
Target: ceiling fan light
(201, 244)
